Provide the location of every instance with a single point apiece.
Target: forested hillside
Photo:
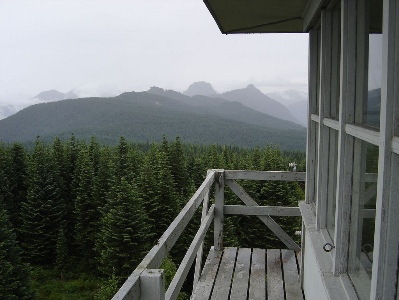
(76, 217)
(147, 116)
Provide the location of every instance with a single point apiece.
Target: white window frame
(353, 79)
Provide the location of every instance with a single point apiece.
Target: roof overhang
(258, 16)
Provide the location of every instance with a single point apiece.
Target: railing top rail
(157, 254)
(265, 175)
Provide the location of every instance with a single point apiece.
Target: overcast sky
(131, 45)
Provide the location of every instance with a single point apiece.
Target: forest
(77, 216)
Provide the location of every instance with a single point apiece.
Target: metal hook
(328, 247)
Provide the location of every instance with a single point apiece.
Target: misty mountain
(200, 88)
(231, 110)
(295, 101)
(54, 95)
(6, 111)
(300, 111)
(288, 97)
(144, 116)
(255, 99)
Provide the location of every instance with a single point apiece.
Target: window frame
(351, 133)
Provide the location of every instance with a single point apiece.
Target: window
(361, 245)
(356, 202)
(371, 111)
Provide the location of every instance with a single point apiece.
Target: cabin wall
(312, 277)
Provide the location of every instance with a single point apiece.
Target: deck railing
(147, 282)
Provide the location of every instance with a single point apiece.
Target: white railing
(147, 282)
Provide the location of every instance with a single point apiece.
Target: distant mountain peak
(51, 95)
(200, 88)
(251, 86)
(155, 90)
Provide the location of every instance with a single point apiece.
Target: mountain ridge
(143, 116)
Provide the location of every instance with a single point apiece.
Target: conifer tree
(17, 179)
(43, 211)
(124, 232)
(94, 154)
(14, 275)
(6, 197)
(157, 191)
(87, 212)
(179, 169)
(62, 250)
(71, 153)
(122, 160)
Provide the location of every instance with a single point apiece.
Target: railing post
(219, 214)
(152, 285)
(198, 261)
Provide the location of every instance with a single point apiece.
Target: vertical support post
(360, 147)
(198, 261)
(345, 141)
(219, 207)
(312, 108)
(386, 239)
(324, 111)
(152, 285)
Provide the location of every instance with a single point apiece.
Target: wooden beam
(198, 261)
(219, 213)
(315, 118)
(292, 284)
(257, 286)
(204, 287)
(246, 210)
(310, 13)
(345, 142)
(331, 123)
(395, 144)
(267, 220)
(366, 134)
(311, 162)
(386, 239)
(152, 285)
(239, 288)
(324, 110)
(225, 274)
(275, 283)
(185, 265)
(265, 175)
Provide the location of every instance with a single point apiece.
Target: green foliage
(157, 191)
(47, 285)
(95, 209)
(43, 211)
(107, 288)
(170, 269)
(124, 235)
(14, 278)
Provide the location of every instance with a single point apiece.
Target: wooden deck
(245, 273)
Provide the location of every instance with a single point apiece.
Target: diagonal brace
(269, 222)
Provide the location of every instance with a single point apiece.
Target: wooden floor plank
(275, 285)
(237, 273)
(292, 284)
(206, 281)
(239, 288)
(257, 286)
(222, 286)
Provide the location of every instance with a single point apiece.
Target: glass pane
(332, 182)
(318, 72)
(335, 65)
(371, 113)
(363, 217)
